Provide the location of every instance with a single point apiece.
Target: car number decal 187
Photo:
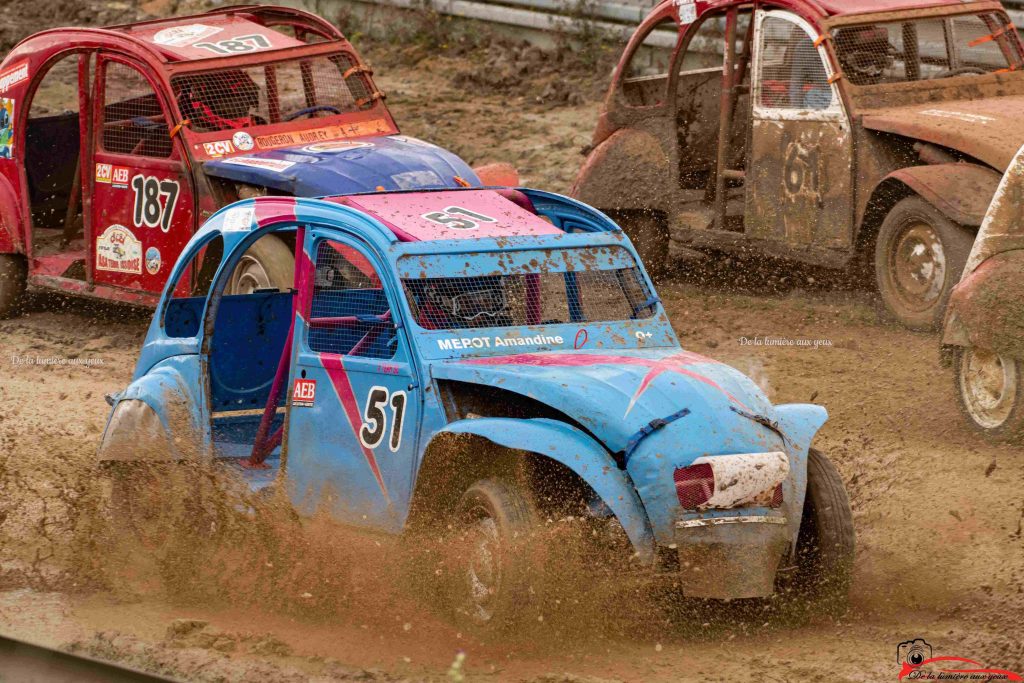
(154, 202)
(375, 419)
(239, 45)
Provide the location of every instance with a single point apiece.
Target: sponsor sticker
(13, 76)
(219, 148)
(119, 251)
(337, 146)
(180, 36)
(6, 128)
(120, 177)
(238, 219)
(243, 141)
(315, 135)
(153, 261)
(687, 11)
(304, 393)
(277, 165)
(498, 342)
(104, 173)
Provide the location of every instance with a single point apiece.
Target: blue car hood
(616, 394)
(394, 162)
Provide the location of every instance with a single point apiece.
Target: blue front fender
(581, 454)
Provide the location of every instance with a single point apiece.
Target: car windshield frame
(375, 111)
(856, 46)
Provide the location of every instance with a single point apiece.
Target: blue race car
(446, 355)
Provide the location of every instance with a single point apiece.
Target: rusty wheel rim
(988, 384)
(917, 263)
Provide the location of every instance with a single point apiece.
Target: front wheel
(990, 392)
(13, 276)
(919, 257)
(495, 523)
(267, 264)
(825, 543)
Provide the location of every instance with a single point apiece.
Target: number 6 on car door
(375, 418)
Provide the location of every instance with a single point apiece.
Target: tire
(990, 393)
(13, 277)
(136, 499)
(268, 263)
(649, 236)
(490, 584)
(825, 543)
(919, 256)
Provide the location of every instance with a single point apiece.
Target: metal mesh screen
(923, 49)
(133, 120)
(258, 95)
(543, 298)
(350, 314)
(792, 73)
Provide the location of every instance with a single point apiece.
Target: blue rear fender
(573, 448)
(159, 415)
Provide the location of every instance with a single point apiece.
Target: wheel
(137, 498)
(649, 236)
(268, 263)
(825, 543)
(919, 257)
(490, 581)
(13, 274)
(990, 392)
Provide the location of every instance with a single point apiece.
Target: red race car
(116, 143)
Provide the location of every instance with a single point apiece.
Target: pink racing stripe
(343, 388)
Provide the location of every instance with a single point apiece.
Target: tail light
(694, 485)
(776, 497)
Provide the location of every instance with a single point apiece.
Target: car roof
(430, 216)
(847, 7)
(196, 37)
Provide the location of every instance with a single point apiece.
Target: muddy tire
(135, 500)
(13, 276)
(919, 257)
(990, 393)
(825, 544)
(490, 582)
(268, 263)
(649, 236)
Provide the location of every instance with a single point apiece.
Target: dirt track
(939, 514)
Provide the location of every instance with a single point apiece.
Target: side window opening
(133, 119)
(792, 73)
(699, 101)
(350, 314)
(645, 78)
(184, 310)
(52, 152)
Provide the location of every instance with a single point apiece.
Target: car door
(354, 410)
(799, 178)
(141, 189)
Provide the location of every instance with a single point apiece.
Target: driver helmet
(219, 101)
(864, 53)
(460, 302)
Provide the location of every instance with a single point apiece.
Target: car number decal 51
(458, 218)
(375, 419)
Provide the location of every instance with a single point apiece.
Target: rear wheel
(919, 257)
(825, 544)
(649, 235)
(495, 522)
(267, 264)
(990, 391)
(13, 275)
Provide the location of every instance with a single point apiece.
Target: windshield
(244, 97)
(535, 287)
(927, 48)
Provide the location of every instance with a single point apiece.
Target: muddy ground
(939, 514)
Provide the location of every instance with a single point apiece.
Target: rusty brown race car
(832, 132)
